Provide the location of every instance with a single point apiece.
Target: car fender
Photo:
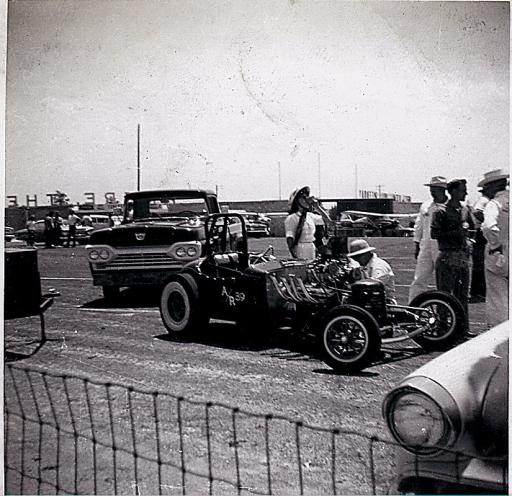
(466, 372)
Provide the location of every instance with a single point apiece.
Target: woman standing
(300, 226)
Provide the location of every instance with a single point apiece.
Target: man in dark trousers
(477, 291)
(451, 224)
(48, 230)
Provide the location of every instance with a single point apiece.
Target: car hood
(148, 234)
(475, 374)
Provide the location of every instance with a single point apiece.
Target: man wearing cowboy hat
(450, 226)
(300, 226)
(495, 228)
(372, 266)
(426, 249)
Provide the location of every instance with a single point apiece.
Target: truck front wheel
(180, 307)
(110, 293)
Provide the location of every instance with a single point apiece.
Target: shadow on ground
(281, 343)
(128, 298)
(20, 351)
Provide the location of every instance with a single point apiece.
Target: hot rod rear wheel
(180, 307)
(450, 320)
(349, 338)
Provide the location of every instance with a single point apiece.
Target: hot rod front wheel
(447, 323)
(180, 307)
(349, 338)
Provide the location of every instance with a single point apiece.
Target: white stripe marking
(66, 278)
(126, 311)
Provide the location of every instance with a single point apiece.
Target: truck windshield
(164, 208)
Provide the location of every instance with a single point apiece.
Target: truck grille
(140, 260)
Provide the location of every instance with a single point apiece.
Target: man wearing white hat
(426, 249)
(372, 266)
(495, 228)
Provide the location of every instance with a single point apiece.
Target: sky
(254, 98)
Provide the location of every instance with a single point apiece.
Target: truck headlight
(192, 251)
(421, 422)
(104, 254)
(186, 250)
(94, 254)
(100, 254)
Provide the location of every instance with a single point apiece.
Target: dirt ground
(127, 345)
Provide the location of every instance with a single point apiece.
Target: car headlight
(181, 252)
(424, 420)
(417, 421)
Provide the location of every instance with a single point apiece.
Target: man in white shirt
(73, 220)
(372, 266)
(426, 249)
(495, 228)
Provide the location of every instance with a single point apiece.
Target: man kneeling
(373, 267)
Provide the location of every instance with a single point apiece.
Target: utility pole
(279, 177)
(319, 178)
(138, 157)
(356, 181)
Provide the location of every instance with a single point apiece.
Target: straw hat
(491, 176)
(358, 247)
(296, 193)
(438, 181)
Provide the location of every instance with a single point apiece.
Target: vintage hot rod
(349, 318)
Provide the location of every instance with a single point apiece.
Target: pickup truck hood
(148, 234)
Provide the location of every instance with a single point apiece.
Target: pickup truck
(161, 231)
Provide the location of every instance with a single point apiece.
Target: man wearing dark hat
(301, 225)
(426, 249)
(495, 229)
(450, 226)
(372, 266)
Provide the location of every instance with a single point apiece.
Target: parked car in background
(450, 418)
(257, 225)
(8, 234)
(162, 230)
(82, 232)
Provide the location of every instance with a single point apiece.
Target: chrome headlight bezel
(442, 404)
(185, 251)
(99, 253)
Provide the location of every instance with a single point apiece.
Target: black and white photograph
(256, 247)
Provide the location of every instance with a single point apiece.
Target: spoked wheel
(447, 323)
(349, 338)
(180, 307)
